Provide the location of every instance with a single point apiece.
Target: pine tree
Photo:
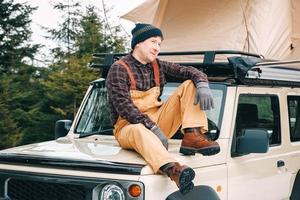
(66, 32)
(14, 36)
(33, 98)
(93, 36)
(70, 75)
(18, 79)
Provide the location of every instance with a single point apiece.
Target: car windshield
(96, 116)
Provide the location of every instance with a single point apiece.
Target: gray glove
(164, 140)
(204, 96)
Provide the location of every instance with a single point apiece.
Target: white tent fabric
(267, 27)
(295, 53)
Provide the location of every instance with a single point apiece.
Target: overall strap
(132, 81)
(156, 72)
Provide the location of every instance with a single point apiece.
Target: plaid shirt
(118, 85)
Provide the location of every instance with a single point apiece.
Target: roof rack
(208, 56)
(206, 61)
(238, 67)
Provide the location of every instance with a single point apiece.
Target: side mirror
(62, 128)
(253, 141)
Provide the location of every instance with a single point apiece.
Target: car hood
(97, 151)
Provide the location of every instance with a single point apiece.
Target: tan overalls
(177, 110)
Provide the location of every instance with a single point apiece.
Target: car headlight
(111, 192)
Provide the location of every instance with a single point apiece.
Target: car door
(259, 175)
(293, 139)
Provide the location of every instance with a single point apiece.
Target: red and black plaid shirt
(118, 85)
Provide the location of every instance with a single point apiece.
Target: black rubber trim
(200, 192)
(296, 188)
(77, 164)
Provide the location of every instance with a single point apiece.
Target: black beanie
(142, 32)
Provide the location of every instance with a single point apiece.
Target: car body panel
(258, 176)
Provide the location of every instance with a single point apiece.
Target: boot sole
(185, 180)
(187, 188)
(208, 151)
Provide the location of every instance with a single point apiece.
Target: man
(144, 123)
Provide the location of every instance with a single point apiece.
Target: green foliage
(7, 123)
(93, 38)
(66, 85)
(33, 98)
(19, 87)
(69, 76)
(14, 35)
(23, 106)
(66, 32)
(84, 32)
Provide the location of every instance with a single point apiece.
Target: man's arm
(118, 86)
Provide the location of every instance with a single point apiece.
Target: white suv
(256, 121)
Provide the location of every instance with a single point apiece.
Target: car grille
(19, 189)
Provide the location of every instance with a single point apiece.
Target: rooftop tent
(295, 10)
(267, 27)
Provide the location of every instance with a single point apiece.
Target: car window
(214, 116)
(294, 117)
(259, 111)
(96, 116)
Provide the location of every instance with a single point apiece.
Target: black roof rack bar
(209, 56)
(265, 82)
(195, 64)
(188, 53)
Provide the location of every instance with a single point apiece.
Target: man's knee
(134, 127)
(139, 132)
(130, 134)
(139, 135)
(187, 86)
(136, 130)
(188, 83)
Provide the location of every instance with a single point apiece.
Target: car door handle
(280, 163)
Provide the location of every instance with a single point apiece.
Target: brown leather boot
(196, 142)
(182, 175)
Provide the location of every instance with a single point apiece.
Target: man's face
(149, 49)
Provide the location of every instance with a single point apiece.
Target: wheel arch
(200, 192)
(295, 195)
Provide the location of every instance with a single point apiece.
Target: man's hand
(164, 140)
(204, 96)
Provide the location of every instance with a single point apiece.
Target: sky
(46, 16)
